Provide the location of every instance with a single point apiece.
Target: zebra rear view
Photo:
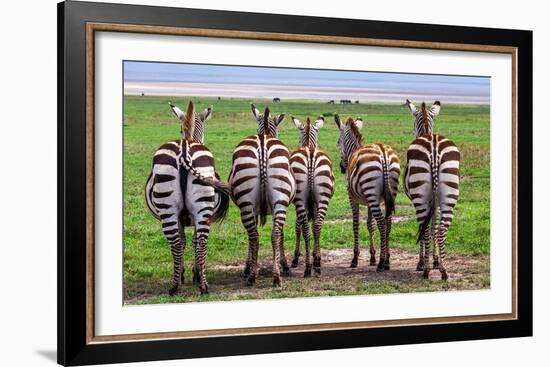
(312, 170)
(262, 184)
(372, 175)
(183, 189)
(432, 179)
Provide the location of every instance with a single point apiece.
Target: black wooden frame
(72, 346)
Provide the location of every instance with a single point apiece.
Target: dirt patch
(395, 219)
(337, 278)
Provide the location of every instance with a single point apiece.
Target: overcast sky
(264, 82)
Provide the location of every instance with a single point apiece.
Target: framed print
(236, 183)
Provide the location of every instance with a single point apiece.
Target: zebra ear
(359, 123)
(206, 114)
(320, 122)
(297, 122)
(279, 119)
(436, 107)
(337, 121)
(411, 106)
(179, 113)
(255, 112)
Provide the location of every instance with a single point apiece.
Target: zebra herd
(184, 189)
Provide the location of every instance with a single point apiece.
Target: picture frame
(79, 22)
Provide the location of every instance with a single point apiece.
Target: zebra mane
(268, 125)
(355, 130)
(188, 122)
(306, 141)
(425, 118)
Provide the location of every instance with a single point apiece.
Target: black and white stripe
(372, 173)
(261, 184)
(312, 171)
(432, 179)
(183, 189)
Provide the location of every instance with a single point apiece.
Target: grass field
(148, 123)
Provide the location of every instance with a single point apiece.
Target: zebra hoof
(307, 272)
(276, 281)
(426, 274)
(353, 264)
(317, 271)
(251, 280)
(204, 289)
(286, 272)
(173, 289)
(420, 266)
(245, 273)
(372, 262)
(380, 267)
(294, 263)
(444, 275)
(436, 264)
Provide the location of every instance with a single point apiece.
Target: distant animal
(432, 178)
(312, 170)
(356, 102)
(345, 101)
(372, 175)
(276, 99)
(183, 189)
(219, 98)
(262, 184)
(331, 101)
(142, 94)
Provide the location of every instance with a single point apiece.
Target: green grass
(148, 123)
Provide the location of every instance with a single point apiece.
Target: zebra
(372, 175)
(312, 170)
(432, 178)
(261, 184)
(182, 190)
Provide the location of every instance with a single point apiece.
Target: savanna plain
(149, 122)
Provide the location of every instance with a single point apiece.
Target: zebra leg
(284, 264)
(252, 265)
(196, 277)
(200, 256)
(355, 213)
(317, 225)
(388, 231)
(425, 245)
(183, 243)
(305, 230)
(433, 235)
(248, 218)
(381, 222)
(177, 253)
(279, 217)
(370, 226)
(441, 237)
(172, 234)
(297, 249)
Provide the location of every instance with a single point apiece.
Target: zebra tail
(432, 205)
(310, 199)
(263, 198)
(149, 196)
(223, 206)
(389, 200)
